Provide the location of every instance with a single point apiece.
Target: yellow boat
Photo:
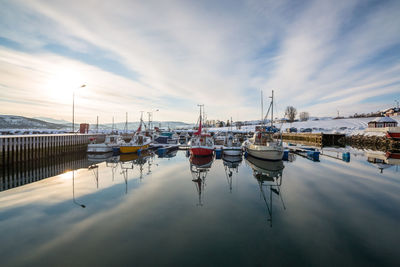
(138, 142)
(132, 149)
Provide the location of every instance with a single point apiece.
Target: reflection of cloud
(342, 53)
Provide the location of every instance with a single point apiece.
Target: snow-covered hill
(19, 122)
(327, 125)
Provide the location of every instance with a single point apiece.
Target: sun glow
(62, 84)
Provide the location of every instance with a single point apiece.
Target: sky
(318, 56)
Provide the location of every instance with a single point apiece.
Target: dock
(321, 139)
(19, 148)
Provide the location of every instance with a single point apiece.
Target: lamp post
(73, 108)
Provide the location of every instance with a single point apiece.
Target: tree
(228, 123)
(290, 113)
(304, 116)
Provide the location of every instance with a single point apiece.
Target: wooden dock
(320, 139)
(19, 148)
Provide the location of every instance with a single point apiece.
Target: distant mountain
(19, 122)
(52, 120)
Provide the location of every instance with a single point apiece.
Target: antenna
(97, 124)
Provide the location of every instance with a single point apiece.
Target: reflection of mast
(125, 166)
(231, 165)
(96, 173)
(269, 177)
(73, 191)
(273, 188)
(113, 163)
(199, 168)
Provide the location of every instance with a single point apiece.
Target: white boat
(232, 146)
(262, 145)
(111, 141)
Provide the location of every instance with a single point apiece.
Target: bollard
(285, 155)
(346, 157)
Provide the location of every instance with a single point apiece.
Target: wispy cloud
(318, 55)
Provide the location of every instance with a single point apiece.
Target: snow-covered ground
(327, 125)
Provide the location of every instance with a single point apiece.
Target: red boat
(201, 144)
(393, 134)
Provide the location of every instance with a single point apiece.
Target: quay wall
(321, 139)
(19, 148)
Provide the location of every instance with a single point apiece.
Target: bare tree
(290, 113)
(304, 116)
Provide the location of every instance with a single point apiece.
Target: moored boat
(263, 145)
(108, 145)
(201, 144)
(138, 142)
(232, 145)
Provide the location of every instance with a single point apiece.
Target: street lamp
(73, 108)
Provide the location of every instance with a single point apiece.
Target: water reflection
(231, 166)
(269, 178)
(73, 191)
(384, 160)
(199, 167)
(21, 173)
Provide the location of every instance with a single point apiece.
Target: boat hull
(201, 151)
(393, 135)
(232, 151)
(265, 153)
(132, 149)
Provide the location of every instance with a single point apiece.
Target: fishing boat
(201, 144)
(232, 145)
(138, 142)
(263, 145)
(111, 142)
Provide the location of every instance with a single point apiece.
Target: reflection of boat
(264, 169)
(269, 176)
(262, 145)
(97, 158)
(383, 160)
(231, 164)
(199, 167)
(201, 162)
(169, 152)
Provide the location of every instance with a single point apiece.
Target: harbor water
(175, 210)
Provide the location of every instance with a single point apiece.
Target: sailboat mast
(272, 109)
(262, 103)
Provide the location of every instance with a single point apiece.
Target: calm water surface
(177, 211)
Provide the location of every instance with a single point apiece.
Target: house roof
(383, 119)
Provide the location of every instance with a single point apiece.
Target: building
(392, 112)
(382, 122)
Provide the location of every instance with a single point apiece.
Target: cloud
(315, 55)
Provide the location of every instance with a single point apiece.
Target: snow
(351, 126)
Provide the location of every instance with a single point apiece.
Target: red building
(84, 128)
(382, 122)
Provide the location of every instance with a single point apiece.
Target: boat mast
(202, 105)
(262, 113)
(272, 109)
